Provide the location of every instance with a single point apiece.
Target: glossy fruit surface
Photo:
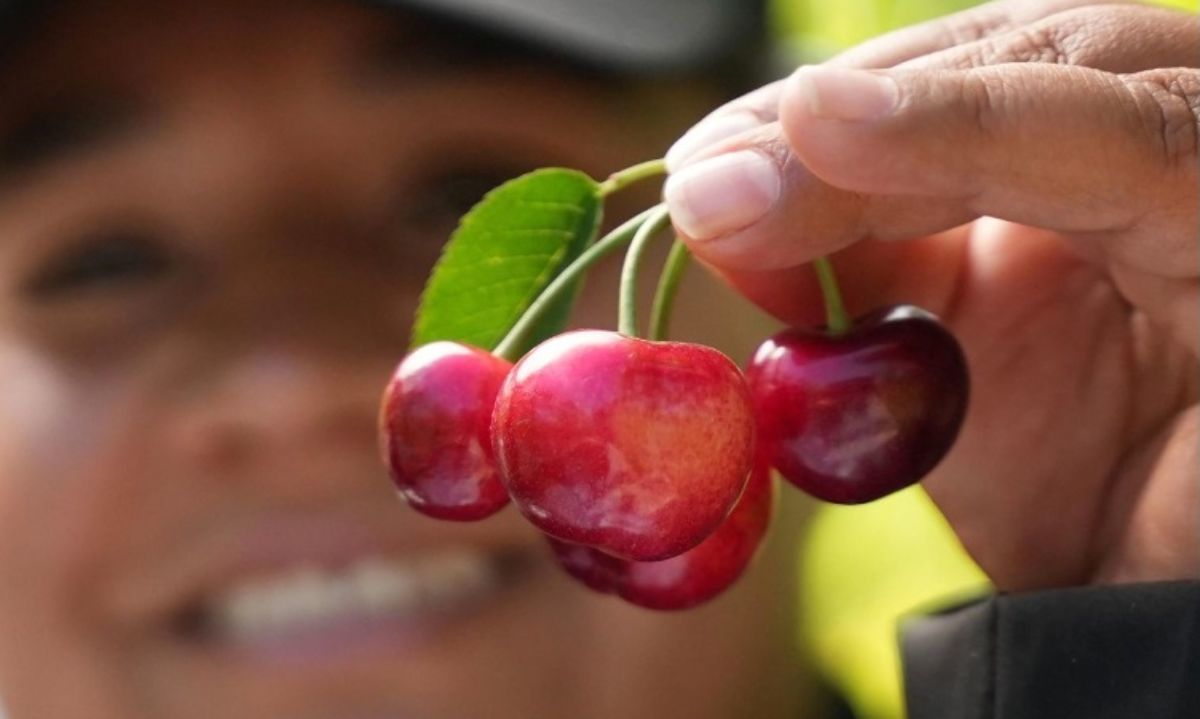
(692, 578)
(435, 425)
(854, 417)
(636, 448)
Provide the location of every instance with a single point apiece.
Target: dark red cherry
(853, 417)
(692, 578)
(435, 423)
(636, 448)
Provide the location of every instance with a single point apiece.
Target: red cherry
(853, 417)
(435, 424)
(692, 578)
(637, 448)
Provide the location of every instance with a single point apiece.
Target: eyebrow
(54, 132)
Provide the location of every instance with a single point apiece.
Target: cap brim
(632, 35)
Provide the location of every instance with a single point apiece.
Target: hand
(1029, 173)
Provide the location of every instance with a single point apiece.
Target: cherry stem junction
(517, 337)
(668, 287)
(624, 178)
(658, 220)
(837, 321)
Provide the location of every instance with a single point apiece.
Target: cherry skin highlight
(435, 425)
(854, 417)
(639, 449)
(692, 578)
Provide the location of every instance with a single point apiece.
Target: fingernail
(723, 194)
(840, 94)
(709, 132)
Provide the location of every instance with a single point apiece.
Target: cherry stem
(837, 321)
(668, 287)
(513, 344)
(624, 178)
(658, 220)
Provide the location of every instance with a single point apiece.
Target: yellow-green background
(864, 568)
(821, 27)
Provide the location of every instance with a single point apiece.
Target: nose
(288, 416)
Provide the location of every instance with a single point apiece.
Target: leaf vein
(574, 209)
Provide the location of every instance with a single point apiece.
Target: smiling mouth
(304, 613)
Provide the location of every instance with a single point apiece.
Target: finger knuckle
(1087, 35)
(1107, 36)
(1167, 103)
(983, 95)
(1001, 16)
(1038, 43)
(1074, 36)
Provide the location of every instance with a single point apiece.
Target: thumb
(1062, 148)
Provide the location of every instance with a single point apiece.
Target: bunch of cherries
(647, 464)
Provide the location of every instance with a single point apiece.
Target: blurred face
(215, 219)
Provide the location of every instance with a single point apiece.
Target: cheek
(46, 549)
(59, 481)
(35, 444)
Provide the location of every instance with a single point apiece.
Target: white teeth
(382, 587)
(307, 598)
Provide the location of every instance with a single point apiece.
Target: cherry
(852, 417)
(692, 578)
(435, 425)
(637, 448)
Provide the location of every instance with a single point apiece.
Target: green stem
(837, 321)
(668, 287)
(658, 220)
(510, 347)
(642, 171)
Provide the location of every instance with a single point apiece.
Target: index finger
(978, 23)
(761, 107)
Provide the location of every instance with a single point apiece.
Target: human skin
(200, 304)
(1028, 171)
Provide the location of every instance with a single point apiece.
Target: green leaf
(504, 253)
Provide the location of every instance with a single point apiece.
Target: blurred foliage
(815, 29)
(863, 569)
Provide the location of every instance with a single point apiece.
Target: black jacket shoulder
(1123, 652)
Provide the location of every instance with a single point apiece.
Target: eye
(448, 195)
(430, 209)
(108, 261)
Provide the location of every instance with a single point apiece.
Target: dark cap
(624, 35)
(641, 36)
